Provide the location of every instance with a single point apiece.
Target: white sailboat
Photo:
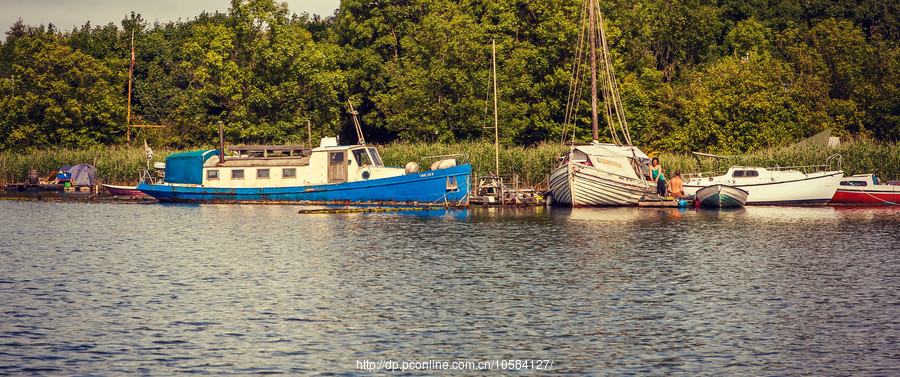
(778, 185)
(601, 174)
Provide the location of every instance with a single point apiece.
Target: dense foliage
(722, 76)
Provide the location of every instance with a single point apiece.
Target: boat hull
(721, 196)
(578, 185)
(814, 188)
(450, 185)
(879, 194)
(123, 190)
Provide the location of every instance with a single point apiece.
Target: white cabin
(328, 164)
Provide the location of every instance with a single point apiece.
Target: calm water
(154, 289)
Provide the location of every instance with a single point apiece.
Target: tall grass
(858, 156)
(114, 165)
(531, 164)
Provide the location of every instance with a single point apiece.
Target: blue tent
(187, 167)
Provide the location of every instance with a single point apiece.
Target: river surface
(159, 290)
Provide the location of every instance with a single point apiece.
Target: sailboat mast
(130, 72)
(496, 126)
(593, 41)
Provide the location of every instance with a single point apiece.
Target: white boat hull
(577, 185)
(776, 187)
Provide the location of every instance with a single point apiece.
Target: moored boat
(116, 190)
(330, 173)
(775, 185)
(866, 189)
(601, 174)
(721, 196)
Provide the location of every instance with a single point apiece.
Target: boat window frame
(260, 171)
(745, 174)
(237, 174)
(376, 158)
(854, 183)
(365, 156)
(284, 173)
(212, 175)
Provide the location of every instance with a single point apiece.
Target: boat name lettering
(423, 175)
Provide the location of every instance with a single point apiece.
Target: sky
(68, 14)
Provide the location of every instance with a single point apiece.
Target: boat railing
(150, 177)
(461, 158)
(689, 176)
(832, 163)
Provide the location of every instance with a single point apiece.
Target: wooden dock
(664, 202)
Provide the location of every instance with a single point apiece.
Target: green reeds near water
(114, 165)
(859, 156)
(531, 164)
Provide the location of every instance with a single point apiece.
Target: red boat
(866, 189)
(123, 190)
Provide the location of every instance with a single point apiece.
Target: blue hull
(426, 187)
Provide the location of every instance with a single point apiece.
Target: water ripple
(220, 289)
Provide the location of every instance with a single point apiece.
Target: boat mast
(130, 71)
(593, 41)
(359, 134)
(496, 127)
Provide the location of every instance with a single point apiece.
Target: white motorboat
(774, 185)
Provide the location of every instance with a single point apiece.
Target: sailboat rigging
(599, 174)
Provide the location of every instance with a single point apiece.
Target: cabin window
(738, 173)
(751, 173)
(854, 183)
(212, 174)
(237, 174)
(262, 173)
(745, 173)
(289, 173)
(376, 159)
(362, 158)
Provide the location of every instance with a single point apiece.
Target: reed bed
(857, 156)
(532, 165)
(115, 165)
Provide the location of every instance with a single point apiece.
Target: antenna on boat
(359, 134)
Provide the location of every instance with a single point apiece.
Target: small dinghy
(721, 196)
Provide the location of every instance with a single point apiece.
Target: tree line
(724, 76)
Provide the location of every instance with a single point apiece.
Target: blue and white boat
(330, 173)
(721, 196)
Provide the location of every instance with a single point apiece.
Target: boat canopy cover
(81, 174)
(187, 167)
